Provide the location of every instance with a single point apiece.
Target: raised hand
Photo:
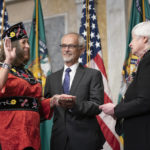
(10, 52)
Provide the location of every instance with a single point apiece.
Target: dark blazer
(136, 109)
(79, 124)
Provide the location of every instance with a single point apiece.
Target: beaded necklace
(25, 74)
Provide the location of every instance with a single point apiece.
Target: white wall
(116, 43)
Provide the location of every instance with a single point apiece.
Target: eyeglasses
(70, 46)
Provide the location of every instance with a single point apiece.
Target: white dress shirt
(72, 72)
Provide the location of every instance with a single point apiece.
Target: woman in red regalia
(20, 95)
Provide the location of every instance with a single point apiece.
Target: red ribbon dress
(21, 128)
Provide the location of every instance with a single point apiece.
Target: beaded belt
(19, 103)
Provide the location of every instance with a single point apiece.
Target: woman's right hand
(107, 108)
(10, 52)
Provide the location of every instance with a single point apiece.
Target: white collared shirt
(72, 73)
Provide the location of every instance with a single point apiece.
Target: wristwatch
(6, 66)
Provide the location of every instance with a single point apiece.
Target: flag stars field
(93, 26)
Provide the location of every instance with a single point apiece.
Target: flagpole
(37, 65)
(88, 33)
(37, 32)
(89, 54)
(143, 8)
(2, 21)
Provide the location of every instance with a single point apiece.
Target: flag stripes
(92, 58)
(98, 60)
(3, 19)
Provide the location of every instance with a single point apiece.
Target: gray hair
(142, 29)
(81, 40)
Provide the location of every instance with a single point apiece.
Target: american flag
(92, 58)
(3, 18)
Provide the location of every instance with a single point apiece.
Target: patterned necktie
(66, 83)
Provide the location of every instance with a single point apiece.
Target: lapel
(77, 78)
(59, 81)
(146, 57)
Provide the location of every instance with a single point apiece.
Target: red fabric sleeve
(45, 109)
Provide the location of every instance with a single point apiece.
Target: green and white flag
(39, 63)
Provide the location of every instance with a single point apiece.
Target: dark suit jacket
(79, 124)
(136, 109)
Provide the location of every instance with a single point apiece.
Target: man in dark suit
(135, 107)
(74, 125)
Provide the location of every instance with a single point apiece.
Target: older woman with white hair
(134, 110)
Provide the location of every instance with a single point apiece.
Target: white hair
(142, 29)
(81, 40)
